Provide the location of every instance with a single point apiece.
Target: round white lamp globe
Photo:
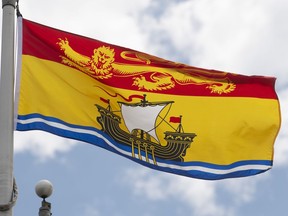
(44, 188)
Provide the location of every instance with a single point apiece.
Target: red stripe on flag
(50, 44)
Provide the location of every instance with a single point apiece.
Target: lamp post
(44, 189)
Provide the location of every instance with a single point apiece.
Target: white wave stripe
(217, 171)
(171, 166)
(77, 130)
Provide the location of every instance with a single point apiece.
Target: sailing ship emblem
(140, 120)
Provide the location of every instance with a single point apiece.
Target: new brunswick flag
(164, 115)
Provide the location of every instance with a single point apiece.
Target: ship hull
(142, 145)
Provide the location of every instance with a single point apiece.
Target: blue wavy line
(85, 137)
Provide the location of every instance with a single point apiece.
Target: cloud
(201, 196)
(90, 210)
(281, 147)
(110, 21)
(197, 194)
(247, 37)
(40, 144)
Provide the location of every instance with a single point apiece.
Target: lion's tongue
(99, 65)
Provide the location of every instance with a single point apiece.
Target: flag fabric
(175, 119)
(122, 100)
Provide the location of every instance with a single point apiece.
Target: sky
(248, 37)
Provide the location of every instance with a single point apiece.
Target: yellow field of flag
(168, 116)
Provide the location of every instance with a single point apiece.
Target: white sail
(141, 117)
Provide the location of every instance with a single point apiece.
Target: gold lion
(98, 66)
(102, 65)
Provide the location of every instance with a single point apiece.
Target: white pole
(7, 105)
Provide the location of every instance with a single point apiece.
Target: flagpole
(7, 107)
